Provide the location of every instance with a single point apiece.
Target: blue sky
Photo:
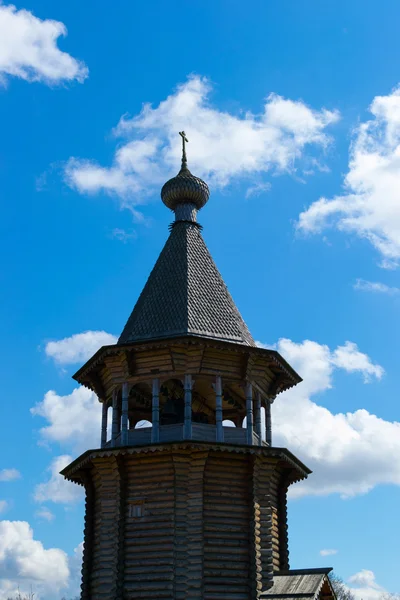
(293, 115)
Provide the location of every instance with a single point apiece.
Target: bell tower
(186, 498)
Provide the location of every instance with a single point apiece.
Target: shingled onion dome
(185, 194)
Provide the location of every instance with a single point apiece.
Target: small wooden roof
(295, 468)
(307, 584)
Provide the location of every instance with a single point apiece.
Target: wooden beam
(238, 399)
(248, 366)
(97, 385)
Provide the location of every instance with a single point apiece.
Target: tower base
(189, 520)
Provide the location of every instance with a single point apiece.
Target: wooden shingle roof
(185, 295)
(296, 584)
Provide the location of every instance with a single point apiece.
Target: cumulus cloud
(79, 347)
(340, 448)
(364, 578)
(223, 146)
(9, 474)
(28, 49)
(370, 204)
(328, 552)
(57, 489)
(376, 287)
(75, 565)
(24, 561)
(73, 420)
(349, 358)
(365, 587)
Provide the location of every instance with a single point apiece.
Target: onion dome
(185, 188)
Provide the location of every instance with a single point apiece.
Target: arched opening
(139, 405)
(143, 423)
(172, 403)
(228, 423)
(263, 424)
(109, 423)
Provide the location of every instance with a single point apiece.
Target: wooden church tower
(188, 508)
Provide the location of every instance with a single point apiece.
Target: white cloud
(366, 586)
(328, 552)
(73, 420)
(257, 189)
(375, 286)
(24, 562)
(370, 204)
(349, 358)
(57, 489)
(75, 566)
(45, 514)
(3, 506)
(223, 146)
(341, 448)
(28, 49)
(9, 474)
(364, 578)
(79, 347)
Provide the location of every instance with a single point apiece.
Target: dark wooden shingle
(185, 295)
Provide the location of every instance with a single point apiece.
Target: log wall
(183, 523)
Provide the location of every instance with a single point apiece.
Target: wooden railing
(174, 433)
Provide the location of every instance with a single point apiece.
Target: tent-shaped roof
(185, 295)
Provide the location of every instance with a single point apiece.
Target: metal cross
(184, 141)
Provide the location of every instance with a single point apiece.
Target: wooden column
(124, 417)
(187, 427)
(258, 418)
(249, 413)
(155, 412)
(104, 415)
(115, 418)
(218, 409)
(268, 424)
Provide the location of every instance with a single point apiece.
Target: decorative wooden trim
(96, 384)
(278, 385)
(298, 470)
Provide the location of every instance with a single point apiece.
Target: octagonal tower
(186, 497)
